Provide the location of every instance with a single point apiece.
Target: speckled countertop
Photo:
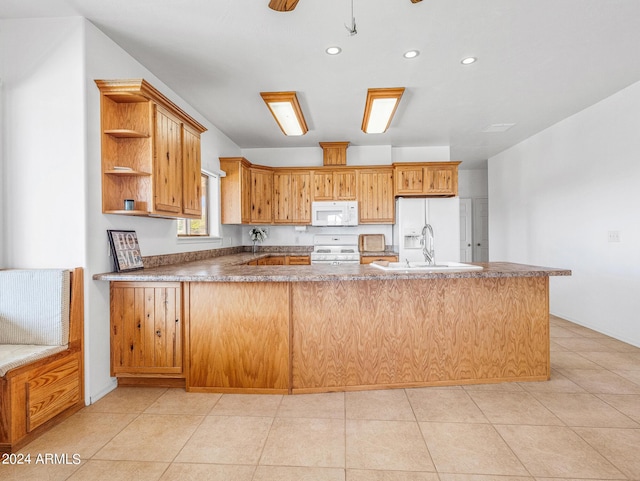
(233, 268)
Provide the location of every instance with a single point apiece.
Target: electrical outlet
(614, 236)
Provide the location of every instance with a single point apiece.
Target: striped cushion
(34, 307)
(15, 355)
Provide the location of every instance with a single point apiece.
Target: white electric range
(335, 249)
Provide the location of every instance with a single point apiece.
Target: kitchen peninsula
(319, 328)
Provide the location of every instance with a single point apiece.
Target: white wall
(356, 155)
(2, 175)
(473, 183)
(553, 199)
(43, 143)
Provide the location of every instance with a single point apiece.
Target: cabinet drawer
(299, 260)
(52, 392)
(370, 259)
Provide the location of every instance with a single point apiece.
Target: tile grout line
(426, 446)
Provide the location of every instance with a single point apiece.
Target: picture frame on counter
(125, 250)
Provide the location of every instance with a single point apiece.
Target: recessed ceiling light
(411, 54)
(333, 50)
(498, 128)
(468, 60)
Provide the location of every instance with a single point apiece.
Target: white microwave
(334, 213)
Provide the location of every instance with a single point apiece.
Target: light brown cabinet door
(409, 180)
(282, 198)
(292, 197)
(245, 195)
(261, 196)
(191, 173)
(441, 180)
(377, 203)
(344, 185)
(235, 191)
(167, 178)
(146, 328)
(301, 197)
(334, 185)
(322, 185)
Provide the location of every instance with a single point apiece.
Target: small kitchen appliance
(334, 213)
(335, 249)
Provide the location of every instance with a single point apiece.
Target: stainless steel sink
(423, 266)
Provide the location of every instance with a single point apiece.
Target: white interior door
(481, 230)
(466, 223)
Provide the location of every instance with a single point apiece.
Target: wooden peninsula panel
(238, 337)
(315, 328)
(392, 333)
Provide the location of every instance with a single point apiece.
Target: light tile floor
(583, 424)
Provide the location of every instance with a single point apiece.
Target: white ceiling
(539, 61)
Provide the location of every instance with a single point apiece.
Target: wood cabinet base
(238, 337)
(336, 336)
(151, 381)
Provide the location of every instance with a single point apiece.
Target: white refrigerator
(444, 217)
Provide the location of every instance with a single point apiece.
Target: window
(208, 224)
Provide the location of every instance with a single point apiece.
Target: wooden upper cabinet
(322, 185)
(375, 194)
(429, 179)
(264, 195)
(191, 173)
(145, 141)
(261, 196)
(292, 197)
(339, 184)
(344, 185)
(409, 180)
(167, 174)
(235, 190)
(334, 153)
(442, 180)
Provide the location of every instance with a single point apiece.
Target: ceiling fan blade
(284, 5)
(415, 1)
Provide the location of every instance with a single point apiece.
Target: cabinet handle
(468, 245)
(159, 333)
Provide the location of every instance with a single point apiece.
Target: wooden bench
(39, 394)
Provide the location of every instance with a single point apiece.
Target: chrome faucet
(427, 244)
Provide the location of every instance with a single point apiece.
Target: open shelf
(126, 134)
(127, 173)
(127, 212)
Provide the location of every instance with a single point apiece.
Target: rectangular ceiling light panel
(379, 109)
(286, 110)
